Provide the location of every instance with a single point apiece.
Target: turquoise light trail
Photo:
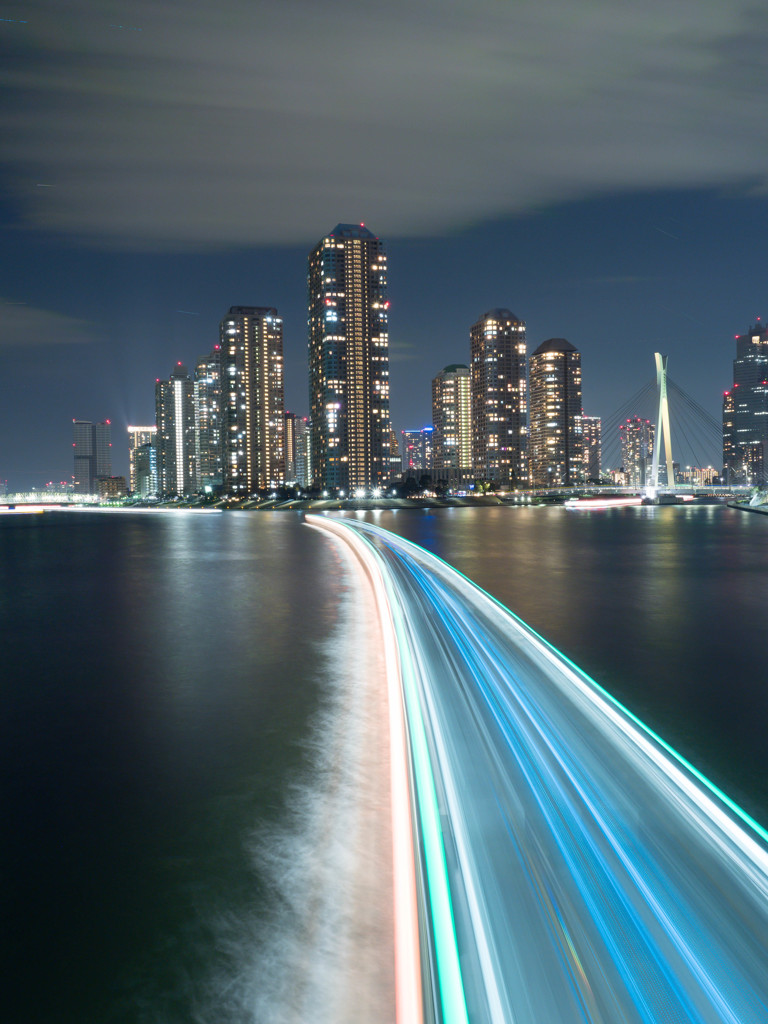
(578, 868)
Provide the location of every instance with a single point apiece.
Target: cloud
(242, 123)
(620, 279)
(402, 351)
(23, 326)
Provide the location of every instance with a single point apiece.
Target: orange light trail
(408, 994)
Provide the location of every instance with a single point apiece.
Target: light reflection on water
(161, 678)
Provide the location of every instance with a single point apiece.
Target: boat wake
(322, 951)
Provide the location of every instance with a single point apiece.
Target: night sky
(598, 168)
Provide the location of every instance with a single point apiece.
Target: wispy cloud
(245, 123)
(620, 279)
(23, 326)
(402, 351)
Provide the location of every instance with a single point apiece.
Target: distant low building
(112, 487)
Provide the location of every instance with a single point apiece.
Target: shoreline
(742, 507)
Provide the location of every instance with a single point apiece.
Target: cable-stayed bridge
(555, 861)
(692, 438)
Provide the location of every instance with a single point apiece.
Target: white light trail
(578, 868)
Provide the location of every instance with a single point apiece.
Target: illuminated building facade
(111, 487)
(303, 451)
(145, 470)
(297, 454)
(636, 438)
(92, 450)
(175, 438)
(289, 443)
(139, 438)
(416, 450)
(592, 439)
(349, 360)
(395, 466)
(499, 405)
(452, 420)
(208, 422)
(555, 445)
(729, 438)
(745, 411)
(253, 404)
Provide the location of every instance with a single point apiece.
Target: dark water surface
(161, 674)
(158, 674)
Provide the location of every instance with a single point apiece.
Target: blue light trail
(573, 867)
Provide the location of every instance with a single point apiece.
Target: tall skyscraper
(636, 437)
(592, 439)
(92, 450)
(142, 462)
(349, 359)
(499, 405)
(290, 447)
(555, 447)
(395, 465)
(452, 420)
(209, 457)
(730, 464)
(175, 411)
(253, 403)
(745, 411)
(145, 470)
(303, 451)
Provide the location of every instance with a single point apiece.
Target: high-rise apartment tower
(745, 411)
(175, 438)
(636, 437)
(208, 422)
(499, 406)
(452, 420)
(253, 403)
(302, 444)
(349, 359)
(555, 446)
(592, 439)
(142, 462)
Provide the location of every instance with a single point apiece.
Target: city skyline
(484, 744)
(595, 210)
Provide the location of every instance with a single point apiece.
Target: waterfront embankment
(744, 506)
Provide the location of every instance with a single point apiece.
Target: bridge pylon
(662, 429)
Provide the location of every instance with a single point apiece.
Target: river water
(176, 714)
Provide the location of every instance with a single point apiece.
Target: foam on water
(323, 949)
